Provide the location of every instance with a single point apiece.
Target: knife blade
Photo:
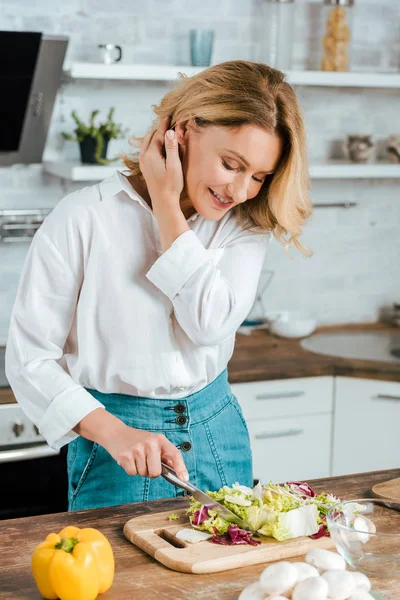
(169, 474)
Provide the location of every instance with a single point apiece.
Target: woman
(133, 289)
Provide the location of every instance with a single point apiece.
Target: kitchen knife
(169, 474)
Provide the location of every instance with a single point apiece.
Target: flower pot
(88, 150)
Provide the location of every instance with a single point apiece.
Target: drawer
(291, 449)
(285, 397)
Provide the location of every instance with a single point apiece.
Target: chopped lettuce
(173, 517)
(293, 523)
(279, 511)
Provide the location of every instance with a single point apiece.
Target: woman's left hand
(163, 176)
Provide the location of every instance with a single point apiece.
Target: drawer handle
(266, 435)
(280, 395)
(387, 397)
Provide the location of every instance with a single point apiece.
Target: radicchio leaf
(234, 536)
(200, 516)
(322, 531)
(301, 488)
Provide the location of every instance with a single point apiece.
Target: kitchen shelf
(87, 70)
(345, 170)
(333, 170)
(78, 172)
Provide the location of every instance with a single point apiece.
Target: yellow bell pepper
(75, 564)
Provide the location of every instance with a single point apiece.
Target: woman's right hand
(141, 452)
(138, 452)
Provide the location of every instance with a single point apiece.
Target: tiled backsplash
(354, 270)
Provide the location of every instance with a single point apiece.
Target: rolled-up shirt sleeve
(40, 322)
(212, 290)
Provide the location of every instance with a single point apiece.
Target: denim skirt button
(181, 420)
(179, 408)
(186, 446)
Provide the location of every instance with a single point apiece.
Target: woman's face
(224, 167)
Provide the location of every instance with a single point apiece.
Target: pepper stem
(66, 544)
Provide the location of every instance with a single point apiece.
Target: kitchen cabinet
(290, 423)
(366, 425)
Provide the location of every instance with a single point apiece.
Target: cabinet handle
(279, 395)
(266, 435)
(387, 397)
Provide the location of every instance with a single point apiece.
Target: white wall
(354, 270)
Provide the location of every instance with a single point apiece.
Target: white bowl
(292, 324)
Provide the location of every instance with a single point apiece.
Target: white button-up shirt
(99, 306)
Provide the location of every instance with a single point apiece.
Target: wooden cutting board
(388, 489)
(155, 534)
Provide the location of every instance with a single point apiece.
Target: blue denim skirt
(207, 426)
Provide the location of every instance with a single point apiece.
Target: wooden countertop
(137, 575)
(262, 356)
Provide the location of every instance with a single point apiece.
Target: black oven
(32, 485)
(33, 476)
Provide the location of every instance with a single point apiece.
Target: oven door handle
(39, 451)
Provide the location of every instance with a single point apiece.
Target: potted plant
(93, 140)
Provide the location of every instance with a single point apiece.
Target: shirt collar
(119, 183)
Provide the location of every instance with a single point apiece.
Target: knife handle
(169, 474)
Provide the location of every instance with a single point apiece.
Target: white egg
(362, 582)
(341, 584)
(304, 571)
(366, 526)
(253, 591)
(278, 578)
(192, 535)
(313, 588)
(324, 560)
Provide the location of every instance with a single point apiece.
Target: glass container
(337, 35)
(277, 33)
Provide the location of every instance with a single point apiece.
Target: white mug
(108, 53)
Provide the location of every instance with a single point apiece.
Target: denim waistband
(167, 414)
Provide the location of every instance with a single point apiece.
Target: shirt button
(186, 446)
(179, 408)
(181, 420)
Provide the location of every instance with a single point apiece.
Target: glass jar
(337, 35)
(277, 33)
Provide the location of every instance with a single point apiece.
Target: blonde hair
(239, 93)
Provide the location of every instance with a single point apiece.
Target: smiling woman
(241, 137)
(133, 290)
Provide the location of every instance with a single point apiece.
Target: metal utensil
(169, 474)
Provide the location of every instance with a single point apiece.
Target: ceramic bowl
(293, 324)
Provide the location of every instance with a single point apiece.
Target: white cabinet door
(291, 449)
(366, 425)
(290, 422)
